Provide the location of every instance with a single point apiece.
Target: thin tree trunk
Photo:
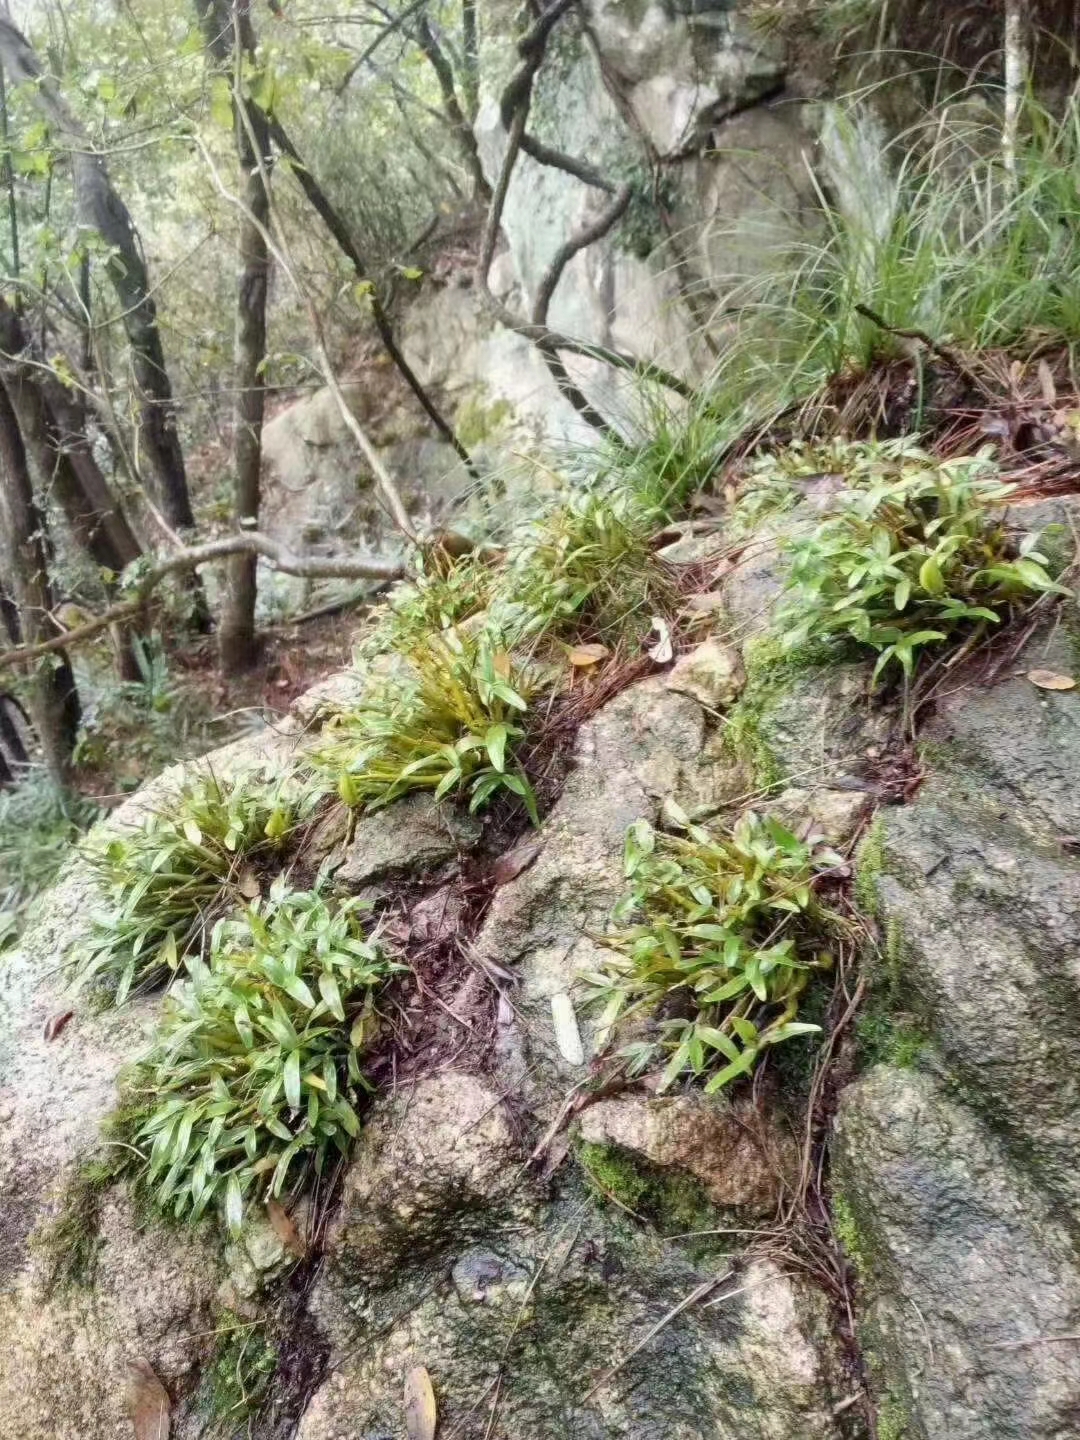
(463, 131)
(1016, 46)
(52, 696)
(229, 37)
(100, 208)
(52, 425)
(470, 58)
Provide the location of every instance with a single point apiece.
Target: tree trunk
(100, 208)
(52, 697)
(463, 131)
(52, 425)
(228, 37)
(1016, 44)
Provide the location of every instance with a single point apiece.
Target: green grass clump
(169, 878)
(255, 1070)
(918, 558)
(727, 935)
(37, 829)
(448, 724)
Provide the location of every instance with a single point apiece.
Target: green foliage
(846, 1229)
(449, 725)
(888, 1039)
(133, 728)
(170, 877)
(255, 1070)
(585, 565)
(36, 833)
(914, 559)
(727, 932)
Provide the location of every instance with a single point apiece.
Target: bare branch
(279, 249)
(309, 567)
(586, 236)
(558, 160)
(514, 106)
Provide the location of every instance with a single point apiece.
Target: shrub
(918, 557)
(170, 878)
(448, 724)
(255, 1070)
(727, 932)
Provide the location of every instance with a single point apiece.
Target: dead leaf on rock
(148, 1403)
(583, 656)
(285, 1229)
(420, 1415)
(661, 650)
(55, 1024)
(509, 866)
(1051, 680)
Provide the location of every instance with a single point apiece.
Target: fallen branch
(308, 567)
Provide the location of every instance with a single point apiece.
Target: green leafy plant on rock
(448, 724)
(170, 877)
(919, 558)
(255, 1070)
(728, 932)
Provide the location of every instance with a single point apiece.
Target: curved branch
(558, 160)
(586, 236)
(309, 567)
(514, 107)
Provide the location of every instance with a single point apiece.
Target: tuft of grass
(173, 875)
(449, 724)
(728, 932)
(254, 1074)
(913, 558)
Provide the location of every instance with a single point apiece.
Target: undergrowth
(37, 829)
(728, 931)
(449, 722)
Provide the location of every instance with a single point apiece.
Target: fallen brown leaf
(705, 603)
(420, 1414)
(55, 1024)
(284, 1228)
(509, 866)
(1051, 680)
(148, 1403)
(502, 664)
(584, 655)
(249, 885)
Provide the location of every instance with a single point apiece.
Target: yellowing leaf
(420, 1413)
(285, 1229)
(502, 664)
(148, 1403)
(585, 655)
(1051, 680)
